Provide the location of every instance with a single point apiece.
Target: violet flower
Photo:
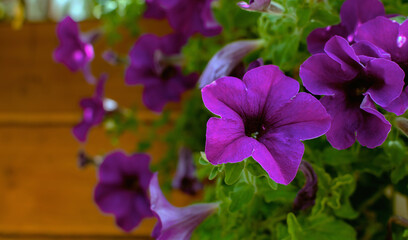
(173, 222)
(262, 116)
(94, 111)
(226, 59)
(353, 13)
(265, 6)
(75, 50)
(306, 196)
(122, 188)
(353, 78)
(185, 178)
(186, 16)
(392, 38)
(153, 63)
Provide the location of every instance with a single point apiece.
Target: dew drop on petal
(401, 41)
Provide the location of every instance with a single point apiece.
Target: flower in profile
(122, 188)
(173, 222)
(262, 116)
(353, 78)
(265, 6)
(154, 64)
(306, 196)
(75, 50)
(392, 38)
(94, 111)
(227, 59)
(353, 13)
(185, 178)
(186, 16)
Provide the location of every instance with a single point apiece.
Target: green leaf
(399, 173)
(203, 159)
(395, 151)
(233, 172)
(318, 228)
(214, 173)
(241, 195)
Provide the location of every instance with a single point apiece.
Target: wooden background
(43, 194)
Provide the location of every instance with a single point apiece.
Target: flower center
(168, 72)
(357, 87)
(132, 183)
(255, 127)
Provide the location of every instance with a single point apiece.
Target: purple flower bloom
(75, 51)
(353, 78)
(153, 64)
(261, 6)
(226, 59)
(173, 222)
(306, 196)
(392, 38)
(185, 178)
(262, 116)
(353, 13)
(122, 188)
(186, 16)
(93, 111)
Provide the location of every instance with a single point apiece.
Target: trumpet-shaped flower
(353, 78)
(94, 111)
(262, 116)
(185, 178)
(392, 38)
(353, 13)
(173, 222)
(153, 63)
(122, 188)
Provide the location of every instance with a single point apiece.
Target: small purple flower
(262, 116)
(353, 78)
(186, 16)
(261, 6)
(392, 38)
(153, 63)
(185, 178)
(353, 13)
(122, 188)
(306, 196)
(173, 222)
(75, 50)
(93, 111)
(226, 59)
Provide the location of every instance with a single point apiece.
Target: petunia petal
(340, 50)
(355, 12)
(400, 104)
(318, 37)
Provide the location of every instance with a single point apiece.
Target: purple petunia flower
(353, 13)
(392, 38)
(261, 6)
(153, 63)
(75, 50)
(306, 196)
(122, 188)
(185, 178)
(353, 78)
(186, 16)
(173, 222)
(94, 111)
(262, 116)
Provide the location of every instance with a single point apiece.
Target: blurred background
(44, 195)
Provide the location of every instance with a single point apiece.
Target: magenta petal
(318, 37)
(128, 222)
(355, 12)
(224, 97)
(393, 77)
(268, 88)
(340, 50)
(302, 118)
(400, 104)
(374, 127)
(176, 223)
(226, 141)
(112, 200)
(81, 130)
(321, 74)
(345, 121)
(279, 155)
